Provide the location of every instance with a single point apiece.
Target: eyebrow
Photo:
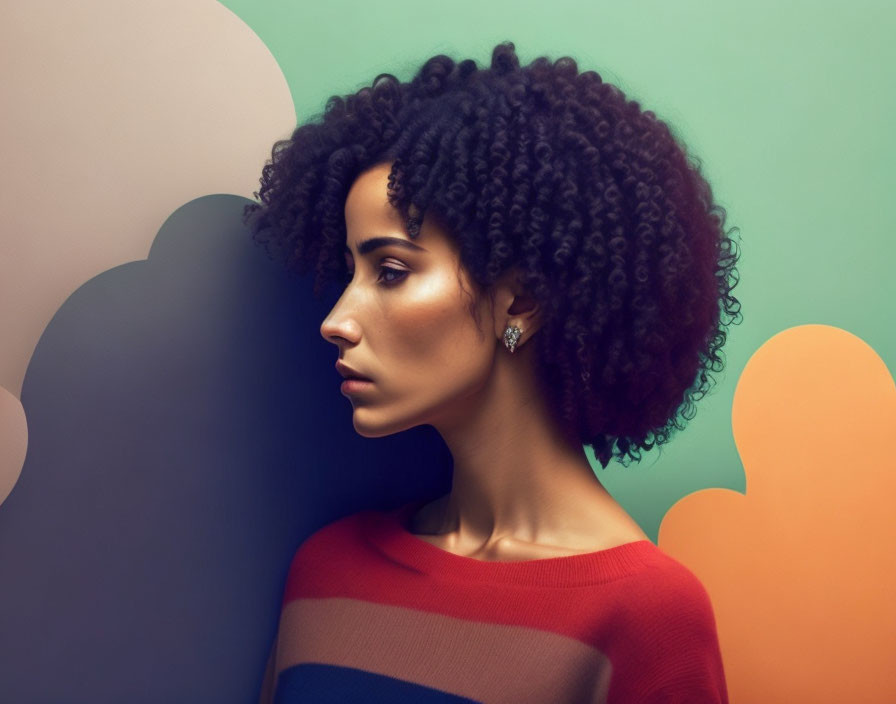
(376, 242)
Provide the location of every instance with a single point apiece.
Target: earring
(511, 335)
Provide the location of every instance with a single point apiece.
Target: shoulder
(670, 598)
(674, 629)
(324, 548)
(668, 578)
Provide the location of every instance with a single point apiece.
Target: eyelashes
(397, 275)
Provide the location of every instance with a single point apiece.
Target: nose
(339, 327)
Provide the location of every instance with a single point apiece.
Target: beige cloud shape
(13, 440)
(802, 569)
(115, 113)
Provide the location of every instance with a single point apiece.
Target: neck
(515, 472)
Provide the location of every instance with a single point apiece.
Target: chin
(368, 425)
(368, 428)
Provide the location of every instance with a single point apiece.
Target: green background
(789, 107)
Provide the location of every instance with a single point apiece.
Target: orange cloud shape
(802, 569)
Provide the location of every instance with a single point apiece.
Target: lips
(348, 373)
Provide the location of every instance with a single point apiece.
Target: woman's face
(404, 319)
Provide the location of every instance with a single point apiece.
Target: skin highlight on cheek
(431, 359)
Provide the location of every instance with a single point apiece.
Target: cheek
(437, 343)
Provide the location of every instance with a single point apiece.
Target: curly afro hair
(553, 172)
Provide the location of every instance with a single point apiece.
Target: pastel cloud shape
(802, 570)
(186, 433)
(116, 112)
(13, 440)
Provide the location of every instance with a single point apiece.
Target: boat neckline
(390, 532)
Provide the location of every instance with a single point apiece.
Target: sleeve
(688, 695)
(685, 660)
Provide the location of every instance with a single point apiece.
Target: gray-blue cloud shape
(186, 433)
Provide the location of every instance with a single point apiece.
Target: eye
(389, 276)
(397, 274)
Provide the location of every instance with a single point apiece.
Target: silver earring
(511, 335)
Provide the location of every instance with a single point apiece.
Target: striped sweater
(372, 613)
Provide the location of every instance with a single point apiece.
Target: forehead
(367, 204)
(369, 214)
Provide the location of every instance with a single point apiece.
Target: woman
(532, 266)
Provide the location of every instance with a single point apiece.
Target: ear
(515, 306)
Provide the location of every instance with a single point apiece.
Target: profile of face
(404, 319)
